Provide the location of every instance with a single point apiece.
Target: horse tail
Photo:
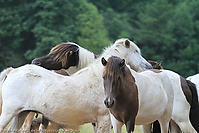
(194, 110)
(3, 76)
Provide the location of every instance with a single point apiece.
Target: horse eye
(136, 51)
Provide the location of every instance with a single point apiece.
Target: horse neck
(93, 70)
(85, 57)
(128, 90)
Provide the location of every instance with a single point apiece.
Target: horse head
(61, 56)
(131, 53)
(113, 75)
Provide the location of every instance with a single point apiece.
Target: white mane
(85, 57)
(96, 68)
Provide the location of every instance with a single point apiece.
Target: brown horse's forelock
(60, 52)
(113, 69)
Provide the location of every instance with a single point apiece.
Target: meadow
(87, 128)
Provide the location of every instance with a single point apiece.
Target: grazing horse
(128, 93)
(67, 56)
(69, 100)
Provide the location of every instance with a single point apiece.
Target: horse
(63, 56)
(195, 79)
(186, 110)
(68, 56)
(27, 125)
(128, 93)
(40, 90)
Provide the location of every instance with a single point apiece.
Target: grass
(87, 128)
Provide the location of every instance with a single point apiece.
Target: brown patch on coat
(62, 72)
(155, 70)
(186, 90)
(126, 103)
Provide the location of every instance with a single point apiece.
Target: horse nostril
(109, 103)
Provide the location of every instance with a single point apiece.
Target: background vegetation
(166, 30)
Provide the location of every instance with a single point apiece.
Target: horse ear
(70, 53)
(122, 63)
(159, 64)
(104, 62)
(127, 43)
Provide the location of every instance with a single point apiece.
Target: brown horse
(122, 87)
(126, 97)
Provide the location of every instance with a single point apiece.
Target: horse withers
(128, 93)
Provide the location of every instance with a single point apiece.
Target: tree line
(166, 30)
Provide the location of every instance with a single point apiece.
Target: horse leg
(181, 118)
(94, 127)
(117, 125)
(44, 123)
(5, 118)
(103, 124)
(130, 126)
(53, 126)
(174, 127)
(186, 126)
(28, 121)
(18, 121)
(146, 128)
(156, 127)
(8, 112)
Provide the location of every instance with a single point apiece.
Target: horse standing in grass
(69, 100)
(185, 116)
(68, 56)
(128, 93)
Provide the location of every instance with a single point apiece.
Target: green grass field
(87, 128)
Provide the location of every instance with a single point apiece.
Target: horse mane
(85, 57)
(60, 52)
(96, 67)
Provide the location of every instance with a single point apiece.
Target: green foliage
(166, 30)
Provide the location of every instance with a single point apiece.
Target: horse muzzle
(36, 62)
(109, 102)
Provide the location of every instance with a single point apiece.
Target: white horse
(181, 106)
(63, 56)
(72, 100)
